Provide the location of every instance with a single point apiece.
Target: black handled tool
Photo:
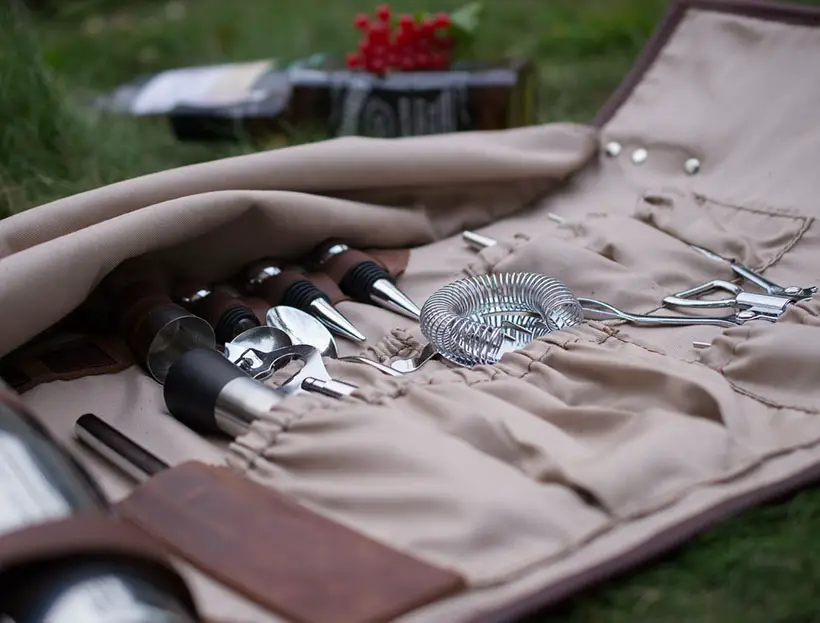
(277, 286)
(209, 394)
(362, 279)
(116, 448)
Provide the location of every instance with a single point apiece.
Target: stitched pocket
(386, 470)
(777, 364)
(584, 271)
(585, 409)
(633, 427)
(755, 236)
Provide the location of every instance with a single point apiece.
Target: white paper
(216, 85)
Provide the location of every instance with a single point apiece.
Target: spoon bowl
(305, 329)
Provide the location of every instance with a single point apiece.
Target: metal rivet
(792, 290)
(640, 155)
(612, 149)
(691, 166)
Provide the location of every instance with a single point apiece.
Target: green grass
(760, 567)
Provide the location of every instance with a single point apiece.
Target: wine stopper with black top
(278, 286)
(362, 279)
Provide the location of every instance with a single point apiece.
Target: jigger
(157, 330)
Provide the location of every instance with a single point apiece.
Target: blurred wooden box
(340, 102)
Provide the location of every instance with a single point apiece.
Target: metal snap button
(639, 156)
(691, 166)
(612, 149)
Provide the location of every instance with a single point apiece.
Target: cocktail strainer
(476, 320)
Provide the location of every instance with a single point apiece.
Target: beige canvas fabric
(591, 445)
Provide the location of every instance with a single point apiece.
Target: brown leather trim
(84, 535)
(212, 307)
(64, 358)
(279, 553)
(328, 286)
(336, 267)
(394, 261)
(257, 306)
(762, 9)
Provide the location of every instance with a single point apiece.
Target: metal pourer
(362, 279)
(278, 286)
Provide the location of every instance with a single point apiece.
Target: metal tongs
(748, 305)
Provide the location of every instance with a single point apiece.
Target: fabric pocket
(585, 272)
(583, 408)
(776, 364)
(631, 426)
(754, 236)
(383, 469)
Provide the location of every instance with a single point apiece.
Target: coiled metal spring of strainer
(475, 320)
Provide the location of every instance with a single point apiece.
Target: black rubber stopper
(301, 294)
(234, 321)
(193, 385)
(358, 281)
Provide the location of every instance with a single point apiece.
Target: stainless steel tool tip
(476, 240)
(334, 320)
(385, 294)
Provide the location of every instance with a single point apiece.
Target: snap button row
(639, 155)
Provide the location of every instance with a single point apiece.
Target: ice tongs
(748, 305)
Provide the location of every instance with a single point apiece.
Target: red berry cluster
(401, 44)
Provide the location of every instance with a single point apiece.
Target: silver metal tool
(795, 293)
(476, 320)
(476, 240)
(263, 350)
(362, 279)
(305, 329)
(276, 285)
(749, 305)
(598, 310)
(405, 366)
(208, 393)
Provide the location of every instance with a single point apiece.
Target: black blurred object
(156, 329)
(41, 482)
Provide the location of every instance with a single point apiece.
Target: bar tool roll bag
(346, 408)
